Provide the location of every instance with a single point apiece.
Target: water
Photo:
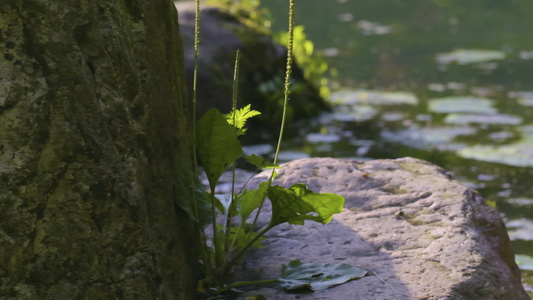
(442, 80)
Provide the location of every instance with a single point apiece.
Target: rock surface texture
(406, 220)
(262, 67)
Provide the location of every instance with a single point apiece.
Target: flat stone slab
(406, 220)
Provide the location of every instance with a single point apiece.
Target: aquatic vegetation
(428, 138)
(472, 105)
(351, 97)
(482, 119)
(469, 56)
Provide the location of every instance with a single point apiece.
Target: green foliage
(248, 12)
(313, 64)
(298, 203)
(238, 118)
(317, 276)
(217, 145)
(232, 233)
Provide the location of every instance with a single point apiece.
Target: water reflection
(465, 67)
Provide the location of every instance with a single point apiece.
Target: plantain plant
(229, 227)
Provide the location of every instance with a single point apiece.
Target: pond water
(442, 80)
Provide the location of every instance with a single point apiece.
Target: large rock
(426, 235)
(262, 67)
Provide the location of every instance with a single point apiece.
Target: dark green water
(408, 47)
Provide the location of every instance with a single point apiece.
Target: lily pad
(317, 276)
(322, 138)
(469, 56)
(520, 201)
(482, 119)
(525, 262)
(520, 229)
(429, 137)
(519, 154)
(374, 97)
(472, 105)
(354, 114)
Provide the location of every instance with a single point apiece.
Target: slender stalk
(243, 250)
(286, 93)
(288, 72)
(245, 283)
(195, 76)
(218, 257)
(208, 270)
(228, 247)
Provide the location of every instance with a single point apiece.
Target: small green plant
(231, 221)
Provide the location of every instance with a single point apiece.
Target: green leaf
(298, 203)
(240, 235)
(224, 204)
(217, 144)
(260, 162)
(239, 117)
(250, 200)
(317, 276)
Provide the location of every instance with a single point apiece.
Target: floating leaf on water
(520, 201)
(392, 116)
(469, 56)
(373, 28)
(322, 138)
(519, 154)
(472, 105)
(350, 97)
(429, 137)
(354, 114)
(317, 276)
(482, 119)
(520, 229)
(521, 95)
(525, 262)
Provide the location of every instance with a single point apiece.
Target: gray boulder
(424, 234)
(262, 67)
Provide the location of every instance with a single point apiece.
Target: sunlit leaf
(298, 203)
(217, 144)
(317, 276)
(239, 117)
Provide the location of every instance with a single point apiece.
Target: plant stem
(243, 250)
(227, 243)
(286, 93)
(195, 76)
(245, 283)
(288, 72)
(218, 257)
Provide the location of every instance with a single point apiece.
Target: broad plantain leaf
(250, 200)
(298, 203)
(260, 162)
(317, 276)
(217, 145)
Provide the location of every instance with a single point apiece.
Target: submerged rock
(406, 220)
(262, 67)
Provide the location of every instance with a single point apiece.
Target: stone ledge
(425, 234)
